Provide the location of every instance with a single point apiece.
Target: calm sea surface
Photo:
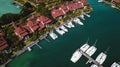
(104, 25)
(6, 6)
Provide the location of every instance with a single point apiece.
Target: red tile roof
(41, 25)
(78, 5)
(3, 43)
(21, 32)
(64, 8)
(85, 3)
(28, 29)
(57, 13)
(117, 1)
(32, 25)
(71, 6)
(44, 20)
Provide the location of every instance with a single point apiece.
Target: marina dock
(90, 58)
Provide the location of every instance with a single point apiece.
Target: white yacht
(86, 14)
(60, 31)
(82, 17)
(70, 23)
(84, 47)
(100, 0)
(29, 49)
(76, 56)
(67, 25)
(113, 6)
(63, 28)
(93, 65)
(92, 49)
(76, 20)
(115, 65)
(53, 35)
(101, 58)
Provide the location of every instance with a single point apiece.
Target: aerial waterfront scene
(59, 33)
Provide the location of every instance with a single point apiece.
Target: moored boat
(76, 56)
(100, 0)
(85, 46)
(82, 17)
(87, 15)
(67, 25)
(60, 31)
(70, 23)
(63, 28)
(115, 64)
(76, 20)
(53, 35)
(93, 65)
(101, 58)
(29, 49)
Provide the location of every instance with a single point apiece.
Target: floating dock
(90, 59)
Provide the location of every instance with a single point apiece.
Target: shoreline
(106, 2)
(33, 43)
(20, 52)
(17, 3)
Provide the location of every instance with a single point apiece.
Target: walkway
(90, 59)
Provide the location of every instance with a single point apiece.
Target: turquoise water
(104, 25)
(6, 6)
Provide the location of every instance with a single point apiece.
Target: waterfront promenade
(25, 48)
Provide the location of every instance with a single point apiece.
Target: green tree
(26, 9)
(8, 18)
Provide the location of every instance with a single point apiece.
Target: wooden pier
(90, 59)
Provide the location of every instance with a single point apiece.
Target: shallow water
(6, 6)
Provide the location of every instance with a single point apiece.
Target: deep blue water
(104, 25)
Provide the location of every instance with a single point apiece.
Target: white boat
(84, 47)
(53, 35)
(29, 49)
(93, 65)
(76, 20)
(67, 25)
(92, 49)
(82, 17)
(86, 14)
(101, 58)
(113, 6)
(115, 65)
(100, 0)
(63, 28)
(76, 56)
(70, 23)
(61, 32)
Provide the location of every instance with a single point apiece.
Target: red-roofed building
(33, 25)
(28, 29)
(116, 1)
(85, 3)
(79, 5)
(3, 42)
(71, 6)
(44, 20)
(21, 32)
(57, 13)
(41, 25)
(64, 8)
